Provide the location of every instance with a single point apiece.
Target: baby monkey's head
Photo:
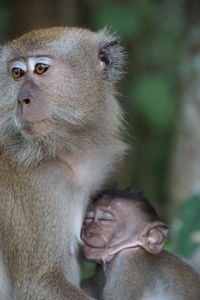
(116, 220)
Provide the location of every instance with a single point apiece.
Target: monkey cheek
(19, 114)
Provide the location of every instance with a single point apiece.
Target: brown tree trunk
(185, 166)
(27, 15)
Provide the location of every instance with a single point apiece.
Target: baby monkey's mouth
(92, 245)
(93, 241)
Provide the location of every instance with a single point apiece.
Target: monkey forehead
(40, 36)
(118, 205)
(123, 205)
(69, 37)
(104, 201)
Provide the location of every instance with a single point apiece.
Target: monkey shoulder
(178, 266)
(179, 276)
(154, 276)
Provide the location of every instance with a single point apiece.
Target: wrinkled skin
(112, 225)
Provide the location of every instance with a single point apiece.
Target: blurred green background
(160, 95)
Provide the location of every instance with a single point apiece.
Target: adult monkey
(59, 141)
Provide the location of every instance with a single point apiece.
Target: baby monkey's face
(108, 223)
(114, 224)
(100, 223)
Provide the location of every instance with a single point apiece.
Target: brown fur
(48, 177)
(153, 277)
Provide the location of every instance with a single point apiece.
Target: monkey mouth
(93, 244)
(27, 124)
(37, 126)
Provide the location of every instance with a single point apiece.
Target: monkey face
(107, 221)
(107, 224)
(57, 93)
(112, 225)
(97, 226)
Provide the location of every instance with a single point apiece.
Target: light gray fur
(47, 179)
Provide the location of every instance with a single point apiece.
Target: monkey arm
(53, 285)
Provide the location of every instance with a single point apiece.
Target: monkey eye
(17, 73)
(105, 217)
(41, 68)
(105, 221)
(89, 217)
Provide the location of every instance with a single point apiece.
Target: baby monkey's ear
(111, 57)
(153, 237)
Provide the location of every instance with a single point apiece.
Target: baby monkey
(123, 234)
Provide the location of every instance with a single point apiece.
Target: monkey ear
(111, 59)
(153, 237)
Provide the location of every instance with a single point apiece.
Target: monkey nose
(24, 102)
(24, 98)
(23, 107)
(92, 231)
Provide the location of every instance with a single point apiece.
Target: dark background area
(159, 93)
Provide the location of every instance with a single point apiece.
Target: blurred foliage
(87, 269)
(107, 13)
(188, 227)
(153, 97)
(152, 31)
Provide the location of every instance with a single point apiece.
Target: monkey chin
(92, 253)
